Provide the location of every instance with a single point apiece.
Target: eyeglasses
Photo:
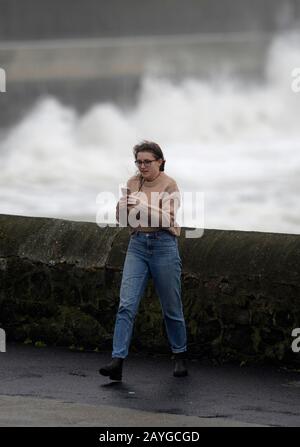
(145, 162)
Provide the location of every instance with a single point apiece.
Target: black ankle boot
(180, 366)
(113, 369)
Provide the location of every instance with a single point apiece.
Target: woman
(152, 196)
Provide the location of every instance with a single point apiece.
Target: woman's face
(148, 170)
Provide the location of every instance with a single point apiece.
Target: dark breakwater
(60, 279)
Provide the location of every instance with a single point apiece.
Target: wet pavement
(57, 387)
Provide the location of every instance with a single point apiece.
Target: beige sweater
(158, 203)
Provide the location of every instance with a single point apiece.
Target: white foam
(238, 143)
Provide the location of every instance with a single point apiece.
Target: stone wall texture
(60, 279)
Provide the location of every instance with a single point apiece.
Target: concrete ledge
(175, 57)
(59, 284)
(82, 72)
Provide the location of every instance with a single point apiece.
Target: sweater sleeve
(164, 212)
(171, 204)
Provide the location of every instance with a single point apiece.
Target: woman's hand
(123, 202)
(129, 200)
(133, 199)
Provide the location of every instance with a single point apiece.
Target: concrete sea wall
(59, 284)
(82, 72)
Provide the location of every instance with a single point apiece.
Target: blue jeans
(155, 253)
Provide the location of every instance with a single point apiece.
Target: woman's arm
(161, 210)
(123, 203)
